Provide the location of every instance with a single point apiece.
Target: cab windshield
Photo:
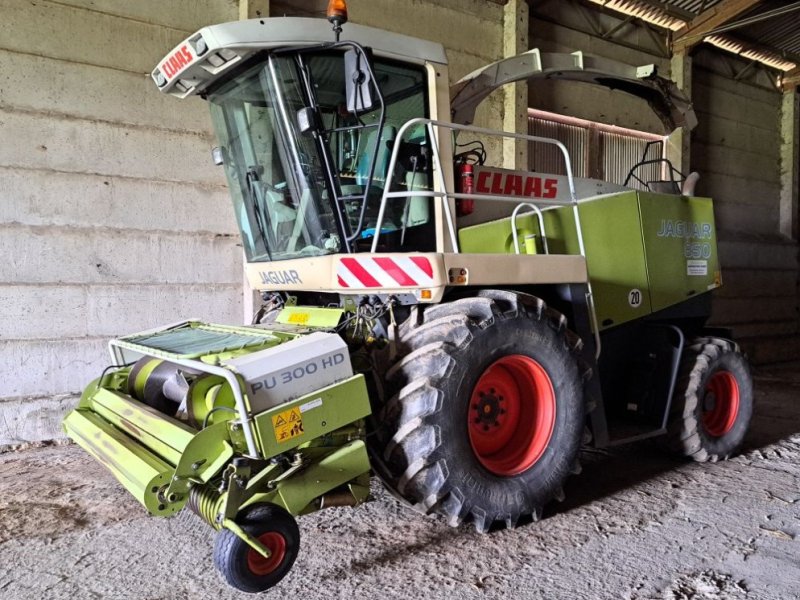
(306, 171)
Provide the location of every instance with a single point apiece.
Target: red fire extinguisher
(465, 185)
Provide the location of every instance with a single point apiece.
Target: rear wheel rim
(276, 544)
(720, 403)
(512, 415)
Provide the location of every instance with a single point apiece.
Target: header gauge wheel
(243, 567)
(487, 412)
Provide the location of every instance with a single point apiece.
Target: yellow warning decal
(287, 425)
(299, 318)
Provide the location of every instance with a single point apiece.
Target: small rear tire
(713, 401)
(245, 569)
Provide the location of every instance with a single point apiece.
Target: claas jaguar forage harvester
(456, 328)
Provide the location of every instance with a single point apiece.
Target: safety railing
(443, 195)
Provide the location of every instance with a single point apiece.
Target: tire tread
(409, 441)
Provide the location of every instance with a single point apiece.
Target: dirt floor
(635, 525)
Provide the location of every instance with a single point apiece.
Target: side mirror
(358, 83)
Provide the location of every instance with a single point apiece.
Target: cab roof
(205, 55)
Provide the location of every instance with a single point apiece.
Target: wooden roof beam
(707, 21)
(791, 79)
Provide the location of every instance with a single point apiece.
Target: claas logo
(181, 58)
(513, 184)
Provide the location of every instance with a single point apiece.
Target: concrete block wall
(112, 217)
(736, 149)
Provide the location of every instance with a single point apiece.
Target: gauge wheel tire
(713, 401)
(486, 413)
(244, 568)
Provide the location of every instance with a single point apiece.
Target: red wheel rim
(512, 414)
(276, 544)
(720, 403)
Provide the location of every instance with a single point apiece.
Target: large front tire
(487, 414)
(713, 401)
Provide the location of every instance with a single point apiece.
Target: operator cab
(305, 139)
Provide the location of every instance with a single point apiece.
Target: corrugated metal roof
(753, 52)
(645, 11)
(782, 33)
(774, 41)
(693, 6)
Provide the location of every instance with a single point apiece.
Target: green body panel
(615, 254)
(327, 471)
(162, 435)
(310, 316)
(681, 247)
(339, 467)
(204, 456)
(321, 412)
(644, 251)
(141, 472)
(495, 237)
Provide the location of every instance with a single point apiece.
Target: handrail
(540, 218)
(430, 124)
(444, 195)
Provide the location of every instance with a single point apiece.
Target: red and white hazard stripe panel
(384, 272)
